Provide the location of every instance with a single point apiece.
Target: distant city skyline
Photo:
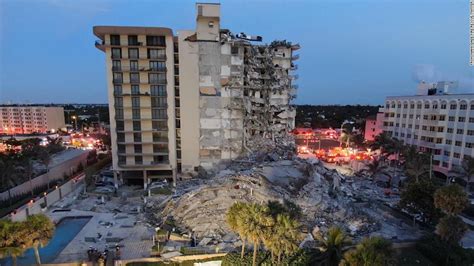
(353, 52)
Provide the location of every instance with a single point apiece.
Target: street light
(342, 125)
(75, 122)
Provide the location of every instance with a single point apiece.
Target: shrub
(441, 253)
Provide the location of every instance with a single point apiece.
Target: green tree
(257, 222)
(466, 169)
(451, 229)
(282, 236)
(418, 197)
(236, 217)
(373, 251)
(7, 168)
(417, 164)
(12, 236)
(332, 244)
(41, 230)
(452, 199)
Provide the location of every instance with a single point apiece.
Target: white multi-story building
(17, 119)
(471, 20)
(439, 124)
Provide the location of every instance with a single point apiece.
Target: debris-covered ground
(273, 172)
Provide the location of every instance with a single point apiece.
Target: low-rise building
(373, 126)
(28, 119)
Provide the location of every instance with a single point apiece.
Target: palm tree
(11, 240)
(333, 243)
(282, 236)
(236, 215)
(41, 230)
(256, 223)
(466, 169)
(370, 251)
(417, 165)
(7, 168)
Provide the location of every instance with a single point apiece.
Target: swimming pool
(66, 229)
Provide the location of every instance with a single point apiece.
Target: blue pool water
(65, 231)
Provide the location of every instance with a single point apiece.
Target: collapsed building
(183, 103)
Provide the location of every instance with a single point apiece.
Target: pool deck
(136, 237)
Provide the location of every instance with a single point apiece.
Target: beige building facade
(219, 91)
(28, 119)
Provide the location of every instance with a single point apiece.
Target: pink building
(373, 126)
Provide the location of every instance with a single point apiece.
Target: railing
(159, 57)
(140, 68)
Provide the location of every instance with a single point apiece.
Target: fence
(40, 203)
(55, 173)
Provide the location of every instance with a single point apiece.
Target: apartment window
(459, 131)
(415, 136)
(159, 148)
(412, 106)
(433, 117)
(435, 106)
(410, 116)
(158, 114)
(398, 115)
(156, 54)
(440, 129)
(135, 113)
(458, 143)
(396, 134)
(450, 130)
(119, 125)
(116, 65)
(404, 115)
(138, 159)
(158, 102)
(471, 119)
(463, 106)
(423, 127)
(133, 53)
(470, 132)
(451, 118)
(133, 40)
(449, 142)
(121, 148)
(469, 144)
(155, 41)
(158, 90)
(432, 129)
(403, 125)
(399, 105)
(425, 117)
(160, 136)
(160, 159)
(408, 135)
(472, 106)
(114, 39)
(120, 137)
(117, 53)
(442, 117)
(418, 106)
(157, 78)
(427, 105)
(118, 77)
(137, 126)
(439, 140)
(157, 65)
(135, 102)
(133, 65)
(134, 77)
(137, 148)
(443, 106)
(135, 89)
(137, 137)
(456, 155)
(461, 119)
(417, 126)
(118, 113)
(447, 153)
(397, 124)
(159, 125)
(392, 114)
(453, 106)
(445, 164)
(410, 126)
(118, 102)
(405, 105)
(117, 90)
(418, 117)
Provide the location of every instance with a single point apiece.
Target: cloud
(429, 73)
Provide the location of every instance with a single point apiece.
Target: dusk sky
(353, 51)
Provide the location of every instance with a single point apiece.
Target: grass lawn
(410, 256)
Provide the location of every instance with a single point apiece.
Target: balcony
(159, 81)
(100, 45)
(137, 69)
(158, 57)
(117, 81)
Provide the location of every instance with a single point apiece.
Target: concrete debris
(271, 171)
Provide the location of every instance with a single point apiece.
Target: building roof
(101, 31)
(436, 96)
